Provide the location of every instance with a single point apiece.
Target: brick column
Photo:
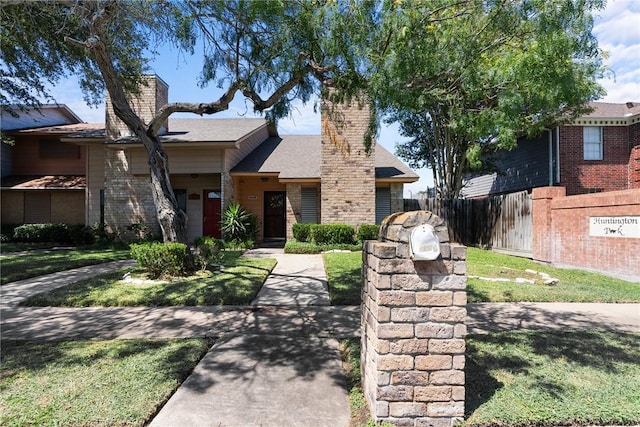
(413, 326)
(541, 198)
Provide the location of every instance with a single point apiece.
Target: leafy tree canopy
(465, 77)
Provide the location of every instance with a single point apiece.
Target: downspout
(558, 154)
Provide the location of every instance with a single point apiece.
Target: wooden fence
(497, 222)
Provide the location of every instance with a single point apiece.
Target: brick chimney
(347, 172)
(152, 97)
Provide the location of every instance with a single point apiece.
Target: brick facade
(413, 327)
(151, 98)
(347, 172)
(127, 198)
(581, 176)
(561, 230)
(634, 156)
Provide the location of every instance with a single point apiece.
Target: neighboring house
(597, 152)
(43, 179)
(326, 178)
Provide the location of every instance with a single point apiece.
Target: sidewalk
(275, 362)
(274, 372)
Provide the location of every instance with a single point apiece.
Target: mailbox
(424, 244)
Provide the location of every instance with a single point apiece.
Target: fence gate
(499, 222)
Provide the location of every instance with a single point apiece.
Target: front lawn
(344, 277)
(573, 285)
(238, 284)
(551, 378)
(90, 383)
(46, 261)
(537, 378)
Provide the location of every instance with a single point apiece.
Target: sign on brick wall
(614, 226)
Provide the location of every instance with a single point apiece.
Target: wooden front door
(212, 213)
(275, 218)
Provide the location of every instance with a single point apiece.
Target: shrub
(54, 233)
(368, 232)
(239, 226)
(208, 251)
(160, 259)
(302, 232)
(332, 234)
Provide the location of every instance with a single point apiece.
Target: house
(43, 178)
(324, 178)
(597, 152)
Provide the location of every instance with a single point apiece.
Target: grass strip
(344, 276)
(549, 378)
(41, 262)
(83, 383)
(573, 286)
(238, 284)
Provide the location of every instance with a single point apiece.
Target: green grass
(553, 378)
(295, 247)
(238, 284)
(41, 262)
(573, 286)
(84, 383)
(344, 277)
(343, 274)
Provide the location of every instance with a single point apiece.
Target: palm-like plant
(238, 224)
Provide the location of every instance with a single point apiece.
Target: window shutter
(383, 203)
(309, 208)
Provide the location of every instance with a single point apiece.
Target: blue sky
(617, 28)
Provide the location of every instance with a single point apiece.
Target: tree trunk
(173, 222)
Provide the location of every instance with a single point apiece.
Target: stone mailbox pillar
(413, 326)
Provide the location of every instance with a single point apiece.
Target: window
(54, 149)
(592, 137)
(383, 203)
(309, 208)
(181, 197)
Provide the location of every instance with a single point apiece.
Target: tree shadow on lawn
(531, 352)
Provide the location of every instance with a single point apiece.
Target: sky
(617, 28)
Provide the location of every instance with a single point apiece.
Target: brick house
(597, 152)
(43, 179)
(282, 179)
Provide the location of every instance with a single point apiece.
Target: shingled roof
(299, 157)
(609, 110)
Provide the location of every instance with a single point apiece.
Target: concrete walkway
(284, 368)
(275, 362)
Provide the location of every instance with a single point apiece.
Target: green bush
(332, 234)
(239, 226)
(160, 259)
(302, 232)
(53, 233)
(368, 232)
(208, 251)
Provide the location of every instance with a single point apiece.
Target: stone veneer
(413, 327)
(347, 172)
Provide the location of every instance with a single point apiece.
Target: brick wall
(634, 156)
(561, 230)
(347, 172)
(152, 96)
(413, 327)
(581, 176)
(128, 197)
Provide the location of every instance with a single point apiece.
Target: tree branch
(185, 107)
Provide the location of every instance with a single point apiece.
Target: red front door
(211, 213)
